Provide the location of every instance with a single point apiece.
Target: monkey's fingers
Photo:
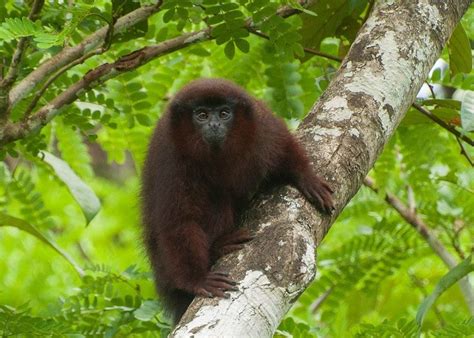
(226, 274)
(242, 235)
(202, 292)
(213, 276)
(222, 285)
(227, 249)
(327, 203)
(319, 195)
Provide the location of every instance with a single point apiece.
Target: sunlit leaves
(466, 98)
(6, 220)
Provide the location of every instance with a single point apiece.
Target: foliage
(72, 262)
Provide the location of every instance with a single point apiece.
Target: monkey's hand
(215, 284)
(317, 191)
(230, 242)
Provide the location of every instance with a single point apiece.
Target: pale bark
(344, 134)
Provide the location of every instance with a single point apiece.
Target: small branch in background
(43, 89)
(103, 49)
(453, 232)
(431, 89)
(316, 305)
(422, 228)
(443, 124)
(464, 152)
(411, 199)
(254, 31)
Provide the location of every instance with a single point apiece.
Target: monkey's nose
(214, 126)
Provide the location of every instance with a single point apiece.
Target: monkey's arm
(302, 176)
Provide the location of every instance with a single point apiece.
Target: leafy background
(71, 259)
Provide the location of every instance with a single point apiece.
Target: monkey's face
(213, 122)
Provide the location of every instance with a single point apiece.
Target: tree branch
(423, 229)
(307, 50)
(68, 55)
(443, 124)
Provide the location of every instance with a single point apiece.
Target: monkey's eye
(201, 115)
(224, 114)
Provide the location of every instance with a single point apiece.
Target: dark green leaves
(120, 8)
(148, 310)
(333, 18)
(459, 47)
(228, 29)
(283, 79)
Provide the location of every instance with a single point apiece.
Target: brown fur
(192, 194)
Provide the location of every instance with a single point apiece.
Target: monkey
(212, 149)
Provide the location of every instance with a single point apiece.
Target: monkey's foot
(228, 243)
(215, 285)
(317, 191)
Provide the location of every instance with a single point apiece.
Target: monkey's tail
(176, 303)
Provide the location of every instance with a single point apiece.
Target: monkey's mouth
(214, 140)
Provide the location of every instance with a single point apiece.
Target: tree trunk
(343, 134)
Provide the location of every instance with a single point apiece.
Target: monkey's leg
(230, 242)
(188, 264)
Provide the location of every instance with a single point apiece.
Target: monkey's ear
(177, 110)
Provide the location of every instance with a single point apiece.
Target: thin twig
(318, 302)
(464, 152)
(308, 50)
(422, 228)
(431, 89)
(61, 71)
(443, 124)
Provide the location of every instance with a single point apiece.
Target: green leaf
(6, 220)
(199, 51)
(459, 49)
(229, 50)
(444, 103)
(448, 280)
(82, 193)
(147, 311)
(326, 18)
(142, 105)
(243, 45)
(143, 119)
(467, 108)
